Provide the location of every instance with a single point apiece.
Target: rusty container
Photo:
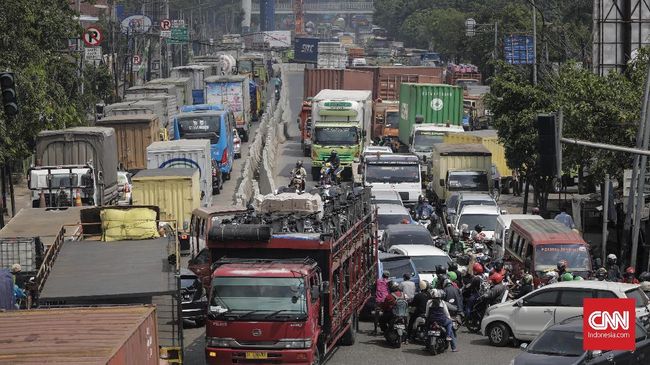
(134, 134)
(386, 90)
(316, 80)
(100, 335)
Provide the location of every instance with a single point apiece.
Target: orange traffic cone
(77, 199)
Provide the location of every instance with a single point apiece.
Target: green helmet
(567, 276)
(578, 277)
(452, 276)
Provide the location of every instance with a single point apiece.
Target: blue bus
(211, 122)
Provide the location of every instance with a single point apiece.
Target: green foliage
(33, 44)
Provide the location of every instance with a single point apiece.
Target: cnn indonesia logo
(608, 324)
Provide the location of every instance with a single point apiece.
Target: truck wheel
(315, 173)
(350, 336)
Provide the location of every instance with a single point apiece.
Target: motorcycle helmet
(333, 154)
(496, 278)
(477, 268)
(454, 236)
(645, 276)
(440, 270)
(552, 275)
(463, 271)
(452, 276)
(385, 274)
(577, 278)
(567, 276)
(601, 273)
(497, 266)
(527, 279)
(478, 247)
(630, 271)
(478, 228)
(561, 265)
(393, 286)
(465, 233)
(437, 294)
(452, 266)
(421, 199)
(611, 259)
(423, 285)
(299, 164)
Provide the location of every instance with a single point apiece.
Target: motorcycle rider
(455, 245)
(299, 171)
(407, 287)
(381, 292)
(474, 287)
(496, 291)
(390, 305)
(601, 274)
(628, 276)
(419, 302)
(552, 277)
(453, 295)
(334, 159)
(453, 268)
(613, 271)
(439, 313)
(441, 275)
(479, 236)
(561, 268)
(526, 285)
(423, 208)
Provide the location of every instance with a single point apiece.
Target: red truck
(290, 298)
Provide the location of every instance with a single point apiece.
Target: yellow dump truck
(176, 191)
(490, 140)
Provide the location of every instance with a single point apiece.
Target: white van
(502, 228)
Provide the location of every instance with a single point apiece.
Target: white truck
(396, 172)
(185, 153)
(233, 93)
(340, 121)
(424, 136)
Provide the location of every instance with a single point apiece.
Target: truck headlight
(295, 343)
(220, 342)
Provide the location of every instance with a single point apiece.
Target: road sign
(179, 36)
(178, 23)
(137, 59)
(92, 54)
(165, 34)
(519, 49)
(165, 24)
(136, 24)
(92, 36)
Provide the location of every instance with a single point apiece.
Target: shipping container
(142, 106)
(438, 104)
(380, 72)
(316, 80)
(306, 50)
(103, 335)
(183, 88)
(169, 103)
(197, 73)
(490, 140)
(388, 88)
(332, 55)
(134, 134)
(176, 191)
(185, 153)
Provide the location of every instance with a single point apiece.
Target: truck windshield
(488, 221)
(376, 173)
(200, 127)
(548, 255)
(336, 136)
(263, 295)
(245, 66)
(469, 181)
(392, 120)
(59, 180)
(424, 140)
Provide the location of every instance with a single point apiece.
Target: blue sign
(306, 50)
(519, 49)
(267, 15)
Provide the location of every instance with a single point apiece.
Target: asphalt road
(368, 349)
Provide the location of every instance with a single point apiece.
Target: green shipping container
(439, 104)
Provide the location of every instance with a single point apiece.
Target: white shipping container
(183, 88)
(146, 106)
(197, 73)
(169, 103)
(185, 153)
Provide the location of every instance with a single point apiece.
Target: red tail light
(127, 188)
(224, 157)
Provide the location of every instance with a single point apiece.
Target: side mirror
(594, 353)
(523, 346)
(442, 182)
(519, 303)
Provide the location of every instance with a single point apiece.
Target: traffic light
(547, 146)
(8, 87)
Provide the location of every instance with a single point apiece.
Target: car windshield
(187, 281)
(385, 220)
(200, 127)
(394, 174)
(464, 203)
(639, 297)
(559, 343)
(398, 267)
(427, 264)
(392, 120)
(336, 136)
(488, 221)
(123, 179)
(548, 255)
(410, 238)
(263, 295)
(424, 140)
(472, 181)
(63, 180)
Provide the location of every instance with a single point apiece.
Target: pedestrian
(381, 292)
(516, 188)
(407, 287)
(565, 218)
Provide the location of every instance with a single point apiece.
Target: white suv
(525, 318)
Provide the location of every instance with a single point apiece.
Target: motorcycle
(436, 339)
(277, 94)
(297, 182)
(473, 321)
(396, 332)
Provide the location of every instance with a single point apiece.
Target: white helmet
(552, 274)
(611, 257)
(437, 294)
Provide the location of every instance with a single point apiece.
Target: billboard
(306, 50)
(519, 49)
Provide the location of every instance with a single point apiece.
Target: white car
(425, 258)
(472, 198)
(124, 187)
(527, 317)
(473, 215)
(236, 141)
(385, 197)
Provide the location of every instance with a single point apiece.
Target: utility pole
(605, 217)
(534, 42)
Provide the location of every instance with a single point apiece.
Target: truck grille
(404, 195)
(345, 158)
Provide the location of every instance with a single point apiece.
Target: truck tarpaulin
(306, 50)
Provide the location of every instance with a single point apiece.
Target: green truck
(341, 122)
(437, 105)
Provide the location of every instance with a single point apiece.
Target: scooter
(396, 332)
(436, 339)
(297, 183)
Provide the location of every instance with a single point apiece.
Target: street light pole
(534, 42)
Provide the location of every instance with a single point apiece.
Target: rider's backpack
(401, 308)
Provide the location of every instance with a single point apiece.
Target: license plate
(400, 326)
(434, 333)
(257, 355)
